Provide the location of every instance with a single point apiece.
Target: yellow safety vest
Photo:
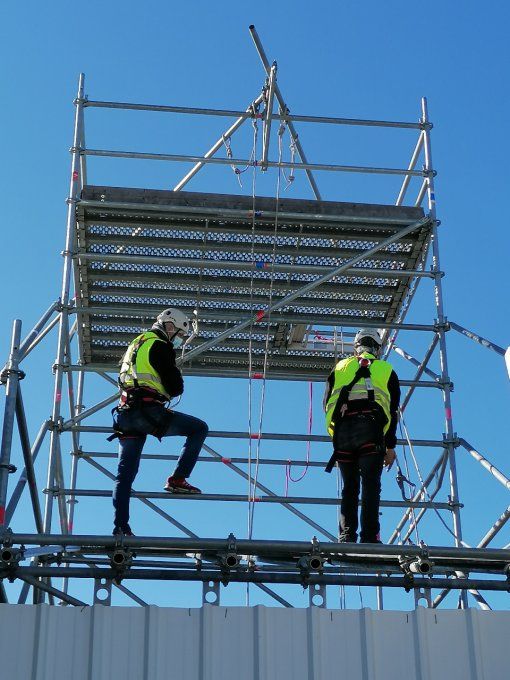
(140, 373)
(345, 371)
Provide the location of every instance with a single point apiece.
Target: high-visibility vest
(345, 371)
(136, 369)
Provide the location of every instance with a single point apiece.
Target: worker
(148, 379)
(361, 403)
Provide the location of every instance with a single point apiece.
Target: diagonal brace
(251, 109)
(283, 302)
(265, 489)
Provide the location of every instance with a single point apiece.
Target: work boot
(346, 537)
(180, 485)
(122, 531)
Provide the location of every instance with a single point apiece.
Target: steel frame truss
(337, 265)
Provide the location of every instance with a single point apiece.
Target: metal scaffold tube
(250, 111)
(263, 577)
(307, 167)
(28, 342)
(29, 461)
(11, 376)
(283, 110)
(23, 478)
(233, 213)
(63, 333)
(268, 117)
(244, 115)
(412, 165)
(265, 548)
(438, 294)
(310, 286)
(268, 491)
(497, 474)
(233, 498)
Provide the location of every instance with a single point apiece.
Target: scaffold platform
(214, 257)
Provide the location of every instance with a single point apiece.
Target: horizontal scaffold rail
(114, 369)
(156, 208)
(229, 113)
(207, 459)
(270, 436)
(183, 158)
(297, 500)
(233, 560)
(267, 548)
(247, 576)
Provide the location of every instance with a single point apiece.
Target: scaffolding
(269, 283)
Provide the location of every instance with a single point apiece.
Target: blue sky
(365, 60)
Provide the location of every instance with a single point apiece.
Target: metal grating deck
(139, 251)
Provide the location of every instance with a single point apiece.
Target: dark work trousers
(137, 423)
(359, 450)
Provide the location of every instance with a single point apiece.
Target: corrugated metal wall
(259, 643)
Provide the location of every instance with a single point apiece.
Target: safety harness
(341, 406)
(136, 397)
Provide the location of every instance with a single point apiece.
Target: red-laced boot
(180, 485)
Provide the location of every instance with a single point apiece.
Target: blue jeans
(136, 423)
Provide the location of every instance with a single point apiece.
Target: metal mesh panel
(141, 251)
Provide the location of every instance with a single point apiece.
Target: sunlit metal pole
(74, 189)
(441, 319)
(12, 379)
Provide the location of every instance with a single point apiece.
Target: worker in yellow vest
(361, 403)
(148, 379)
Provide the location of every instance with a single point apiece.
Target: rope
(292, 146)
(251, 161)
(250, 331)
(413, 515)
(251, 505)
(411, 449)
(288, 466)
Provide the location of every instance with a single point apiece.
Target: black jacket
(162, 358)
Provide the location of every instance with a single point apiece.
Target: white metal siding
(258, 643)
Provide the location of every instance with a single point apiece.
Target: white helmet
(365, 334)
(175, 316)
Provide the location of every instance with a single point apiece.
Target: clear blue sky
(366, 60)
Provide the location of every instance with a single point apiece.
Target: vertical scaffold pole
(63, 333)
(438, 295)
(9, 411)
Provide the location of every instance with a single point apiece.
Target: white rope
(292, 146)
(250, 331)
(250, 344)
(266, 354)
(414, 524)
(420, 477)
(237, 171)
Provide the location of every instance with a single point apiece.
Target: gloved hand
(389, 458)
